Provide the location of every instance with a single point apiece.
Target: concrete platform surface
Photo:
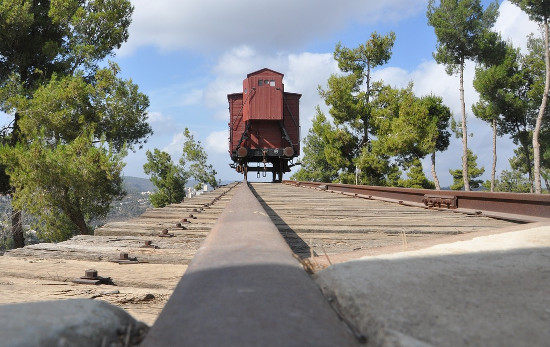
(492, 290)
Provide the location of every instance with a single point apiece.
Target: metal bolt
(123, 256)
(165, 231)
(148, 243)
(178, 225)
(91, 273)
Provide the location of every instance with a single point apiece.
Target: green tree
(439, 114)
(169, 178)
(377, 128)
(65, 186)
(109, 111)
(315, 165)
(503, 99)
(416, 177)
(539, 11)
(194, 160)
(512, 182)
(408, 127)
(349, 96)
(41, 44)
(475, 172)
(462, 28)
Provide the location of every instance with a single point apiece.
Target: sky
(188, 55)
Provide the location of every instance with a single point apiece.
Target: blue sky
(188, 55)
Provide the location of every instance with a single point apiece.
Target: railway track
(337, 227)
(320, 226)
(45, 271)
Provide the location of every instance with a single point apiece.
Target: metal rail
(245, 288)
(511, 206)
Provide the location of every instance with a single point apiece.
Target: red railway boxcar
(264, 125)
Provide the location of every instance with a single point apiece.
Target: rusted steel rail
(245, 288)
(512, 206)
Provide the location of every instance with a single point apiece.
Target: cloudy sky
(188, 55)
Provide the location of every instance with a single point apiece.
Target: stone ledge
(75, 322)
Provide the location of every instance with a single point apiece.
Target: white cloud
(160, 123)
(274, 25)
(156, 117)
(245, 44)
(514, 25)
(175, 147)
(193, 97)
(217, 142)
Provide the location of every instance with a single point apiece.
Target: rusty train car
(264, 125)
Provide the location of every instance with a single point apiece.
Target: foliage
(350, 104)
(508, 94)
(194, 160)
(64, 185)
(108, 110)
(475, 172)
(40, 38)
(318, 149)
(376, 128)
(113, 108)
(463, 33)
(439, 114)
(169, 178)
(500, 95)
(66, 108)
(512, 182)
(503, 92)
(539, 11)
(416, 177)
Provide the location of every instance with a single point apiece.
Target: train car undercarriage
(275, 160)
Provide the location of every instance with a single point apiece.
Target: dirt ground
(317, 225)
(141, 289)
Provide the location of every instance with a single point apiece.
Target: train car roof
(297, 94)
(262, 70)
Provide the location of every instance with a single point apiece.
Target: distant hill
(138, 185)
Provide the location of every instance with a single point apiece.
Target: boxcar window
(272, 83)
(266, 82)
(260, 83)
(245, 90)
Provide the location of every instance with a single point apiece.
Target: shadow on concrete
(478, 298)
(255, 305)
(295, 242)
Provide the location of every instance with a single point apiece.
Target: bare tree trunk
(494, 168)
(16, 224)
(78, 219)
(434, 174)
(536, 131)
(464, 131)
(17, 229)
(529, 168)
